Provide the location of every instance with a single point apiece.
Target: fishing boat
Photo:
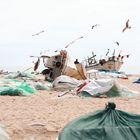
(108, 63)
(61, 64)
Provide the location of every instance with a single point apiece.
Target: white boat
(112, 63)
(61, 64)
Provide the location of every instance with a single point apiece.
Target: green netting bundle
(24, 86)
(24, 74)
(40, 86)
(6, 90)
(19, 74)
(15, 88)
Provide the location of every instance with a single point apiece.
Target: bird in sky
(117, 43)
(38, 33)
(94, 26)
(107, 52)
(44, 52)
(56, 51)
(126, 26)
(73, 41)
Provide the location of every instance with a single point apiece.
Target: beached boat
(61, 64)
(108, 63)
(113, 65)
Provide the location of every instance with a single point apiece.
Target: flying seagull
(126, 26)
(44, 52)
(73, 41)
(38, 33)
(107, 52)
(94, 26)
(117, 43)
(56, 51)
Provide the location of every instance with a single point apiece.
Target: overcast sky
(64, 21)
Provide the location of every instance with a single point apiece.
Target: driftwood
(64, 93)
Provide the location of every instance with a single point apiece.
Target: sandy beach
(43, 115)
(92, 46)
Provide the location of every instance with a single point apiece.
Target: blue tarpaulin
(137, 81)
